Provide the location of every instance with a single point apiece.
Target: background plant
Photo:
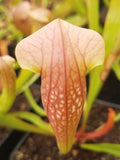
(11, 85)
(81, 13)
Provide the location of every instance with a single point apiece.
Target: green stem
(33, 103)
(24, 80)
(95, 86)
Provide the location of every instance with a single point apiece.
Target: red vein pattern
(63, 56)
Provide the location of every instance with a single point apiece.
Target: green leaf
(115, 57)
(34, 119)
(95, 85)
(112, 31)
(113, 149)
(112, 26)
(12, 122)
(62, 9)
(77, 20)
(78, 6)
(93, 14)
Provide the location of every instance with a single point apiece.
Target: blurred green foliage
(8, 30)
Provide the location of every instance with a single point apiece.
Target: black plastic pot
(7, 147)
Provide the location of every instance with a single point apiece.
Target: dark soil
(40, 147)
(20, 104)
